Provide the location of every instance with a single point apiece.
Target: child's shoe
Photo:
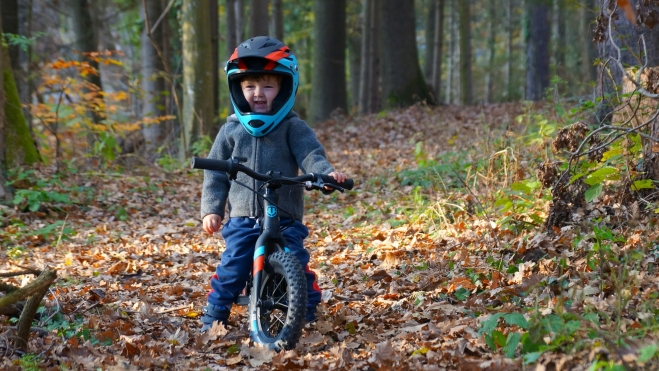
(214, 313)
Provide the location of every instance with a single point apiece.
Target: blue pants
(240, 235)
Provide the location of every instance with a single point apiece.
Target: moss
(20, 148)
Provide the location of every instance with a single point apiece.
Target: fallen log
(35, 291)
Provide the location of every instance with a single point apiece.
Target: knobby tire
(284, 283)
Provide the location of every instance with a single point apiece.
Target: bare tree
(197, 73)
(438, 36)
(153, 82)
(537, 48)
(491, 48)
(466, 79)
(278, 19)
(329, 74)
(369, 74)
(258, 18)
(402, 81)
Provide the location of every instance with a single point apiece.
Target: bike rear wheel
(281, 303)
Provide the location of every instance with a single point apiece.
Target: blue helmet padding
(260, 124)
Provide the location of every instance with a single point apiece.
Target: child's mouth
(260, 105)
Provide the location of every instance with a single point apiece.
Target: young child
(262, 75)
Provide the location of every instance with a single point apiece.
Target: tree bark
(354, 33)
(436, 82)
(85, 33)
(25, 86)
(328, 91)
(491, 49)
(10, 24)
(6, 194)
(197, 73)
(509, 90)
(19, 147)
(239, 11)
(402, 81)
(258, 18)
(278, 19)
(452, 54)
(369, 74)
(215, 46)
(466, 79)
(153, 83)
(35, 290)
(560, 41)
(537, 49)
(430, 40)
(589, 51)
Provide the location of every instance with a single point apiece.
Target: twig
(54, 313)
(174, 309)
(14, 274)
(61, 232)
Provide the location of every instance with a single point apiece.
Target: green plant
(168, 162)
(29, 362)
(202, 146)
(15, 252)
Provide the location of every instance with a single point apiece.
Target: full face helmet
(260, 55)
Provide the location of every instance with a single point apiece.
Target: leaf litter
(405, 285)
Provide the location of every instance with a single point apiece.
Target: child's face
(260, 92)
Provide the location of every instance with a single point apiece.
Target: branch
(43, 281)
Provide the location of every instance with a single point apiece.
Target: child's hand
(212, 223)
(339, 177)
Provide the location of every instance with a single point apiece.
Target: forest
(505, 155)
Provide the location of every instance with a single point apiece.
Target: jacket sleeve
(215, 189)
(309, 153)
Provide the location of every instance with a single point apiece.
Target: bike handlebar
(233, 166)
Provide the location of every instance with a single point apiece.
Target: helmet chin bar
(256, 123)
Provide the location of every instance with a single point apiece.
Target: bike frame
(266, 244)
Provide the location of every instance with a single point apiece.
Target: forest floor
(417, 267)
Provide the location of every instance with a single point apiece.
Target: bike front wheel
(281, 303)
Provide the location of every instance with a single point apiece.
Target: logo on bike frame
(272, 211)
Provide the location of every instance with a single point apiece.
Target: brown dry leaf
(383, 352)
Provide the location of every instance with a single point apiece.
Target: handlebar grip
(348, 184)
(209, 164)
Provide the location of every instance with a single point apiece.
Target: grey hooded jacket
(290, 147)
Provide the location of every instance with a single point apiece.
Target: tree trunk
(6, 194)
(452, 54)
(25, 86)
(402, 81)
(153, 83)
(215, 46)
(537, 49)
(19, 146)
(258, 18)
(466, 80)
(354, 33)
(197, 73)
(328, 90)
(278, 19)
(491, 48)
(369, 74)
(589, 51)
(84, 31)
(239, 11)
(10, 24)
(560, 41)
(232, 38)
(436, 82)
(430, 41)
(509, 90)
